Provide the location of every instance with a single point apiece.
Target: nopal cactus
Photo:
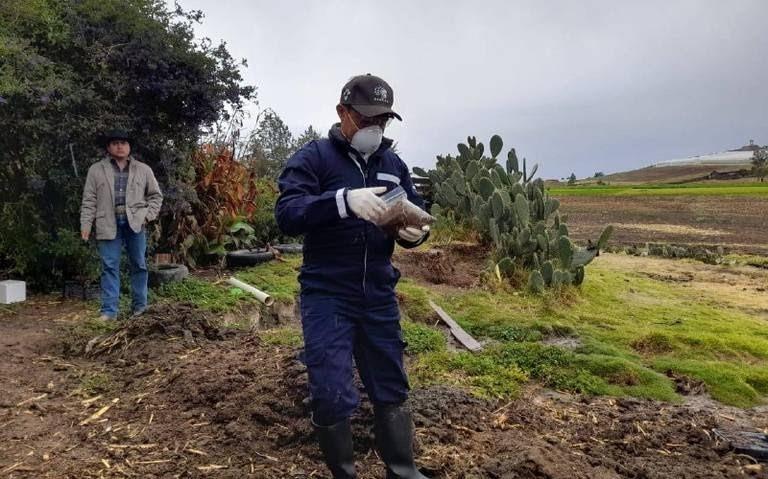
(511, 211)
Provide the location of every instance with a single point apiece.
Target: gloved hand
(365, 204)
(411, 234)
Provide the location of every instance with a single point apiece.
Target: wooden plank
(457, 331)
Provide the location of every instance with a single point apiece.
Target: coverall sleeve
(303, 205)
(407, 183)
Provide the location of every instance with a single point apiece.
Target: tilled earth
(736, 222)
(185, 399)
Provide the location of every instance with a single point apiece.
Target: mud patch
(686, 385)
(683, 277)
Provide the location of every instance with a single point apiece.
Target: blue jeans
(110, 252)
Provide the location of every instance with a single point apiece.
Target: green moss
(282, 337)
(625, 321)
(479, 373)
(422, 338)
(505, 332)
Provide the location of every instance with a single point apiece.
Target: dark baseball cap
(116, 135)
(369, 95)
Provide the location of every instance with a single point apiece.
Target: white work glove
(365, 204)
(411, 234)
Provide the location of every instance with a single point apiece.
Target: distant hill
(671, 174)
(717, 166)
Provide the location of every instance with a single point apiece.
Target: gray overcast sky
(574, 86)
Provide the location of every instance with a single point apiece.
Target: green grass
(216, 298)
(414, 301)
(747, 189)
(290, 337)
(747, 260)
(632, 330)
(277, 278)
(446, 229)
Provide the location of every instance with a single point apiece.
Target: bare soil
(736, 223)
(458, 265)
(186, 399)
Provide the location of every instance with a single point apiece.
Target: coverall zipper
(365, 239)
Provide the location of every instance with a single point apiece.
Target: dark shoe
(336, 444)
(394, 439)
(138, 312)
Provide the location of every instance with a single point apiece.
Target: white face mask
(367, 140)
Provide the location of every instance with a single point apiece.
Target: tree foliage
(72, 69)
(760, 163)
(271, 144)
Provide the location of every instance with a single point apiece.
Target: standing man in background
(329, 192)
(121, 195)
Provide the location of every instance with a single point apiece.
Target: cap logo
(380, 94)
(346, 94)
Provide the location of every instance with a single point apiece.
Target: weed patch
(282, 337)
(96, 383)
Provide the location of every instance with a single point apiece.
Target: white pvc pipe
(260, 295)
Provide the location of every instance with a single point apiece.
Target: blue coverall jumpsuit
(348, 304)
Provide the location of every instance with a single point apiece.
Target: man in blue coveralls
(329, 192)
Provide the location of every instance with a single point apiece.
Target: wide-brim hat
(113, 135)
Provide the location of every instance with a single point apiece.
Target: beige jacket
(142, 200)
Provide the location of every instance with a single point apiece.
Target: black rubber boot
(394, 439)
(336, 444)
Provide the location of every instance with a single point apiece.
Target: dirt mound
(457, 264)
(163, 322)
